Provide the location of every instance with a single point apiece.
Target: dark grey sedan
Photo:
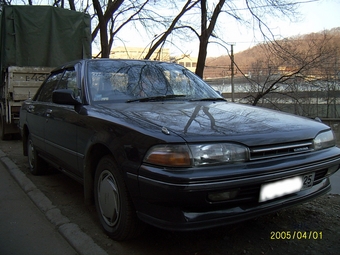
(151, 142)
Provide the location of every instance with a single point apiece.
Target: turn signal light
(165, 155)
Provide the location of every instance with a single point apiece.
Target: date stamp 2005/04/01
(299, 235)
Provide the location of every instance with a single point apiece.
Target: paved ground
(30, 224)
(335, 181)
(24, 229)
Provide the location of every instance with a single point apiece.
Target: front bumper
(196, 220)
(179, 200)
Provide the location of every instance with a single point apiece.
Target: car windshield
(142, 81)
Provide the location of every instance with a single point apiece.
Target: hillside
(300, 44)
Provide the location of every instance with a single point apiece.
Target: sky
(316, 16)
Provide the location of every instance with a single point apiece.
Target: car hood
(218, 121)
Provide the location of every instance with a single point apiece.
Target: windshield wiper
(154, 98)
(209, 99)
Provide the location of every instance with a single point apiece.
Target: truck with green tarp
(33, 41)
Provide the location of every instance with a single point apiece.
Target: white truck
(33, 41)
(20, 83)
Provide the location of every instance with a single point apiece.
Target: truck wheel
(4, 135)
(36, 164)
(114, 207)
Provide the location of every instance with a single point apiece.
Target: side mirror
(64, 96)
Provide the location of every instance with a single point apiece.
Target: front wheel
(36, 164)
(113, 203)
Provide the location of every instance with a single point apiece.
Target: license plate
(287, 186)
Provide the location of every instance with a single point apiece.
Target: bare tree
(163, 37)
(209, 11)
(293, 67)
(4, 3)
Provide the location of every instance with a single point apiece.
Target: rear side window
(45, 93)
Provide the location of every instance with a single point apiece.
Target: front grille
(266, 152)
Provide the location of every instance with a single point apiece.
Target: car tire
(114, 206)
(36, 164)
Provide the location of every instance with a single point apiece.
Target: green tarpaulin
(43, 36)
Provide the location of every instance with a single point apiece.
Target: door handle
(48, 112)
(30, 108)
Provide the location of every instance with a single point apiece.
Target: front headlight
(218, 153)
(196, 154)
(324, 140)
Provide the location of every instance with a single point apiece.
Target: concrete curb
(79, 240)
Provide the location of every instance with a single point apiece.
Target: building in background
(163, 54)
(139, 53)
(187, 61)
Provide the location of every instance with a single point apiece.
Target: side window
(69, 81)
(45, 93)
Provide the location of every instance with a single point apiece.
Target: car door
(61, 126)
(36, 111)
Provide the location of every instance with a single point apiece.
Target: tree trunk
(206, 32)
(103, 21)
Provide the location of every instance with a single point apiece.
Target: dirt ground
(310, 228)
